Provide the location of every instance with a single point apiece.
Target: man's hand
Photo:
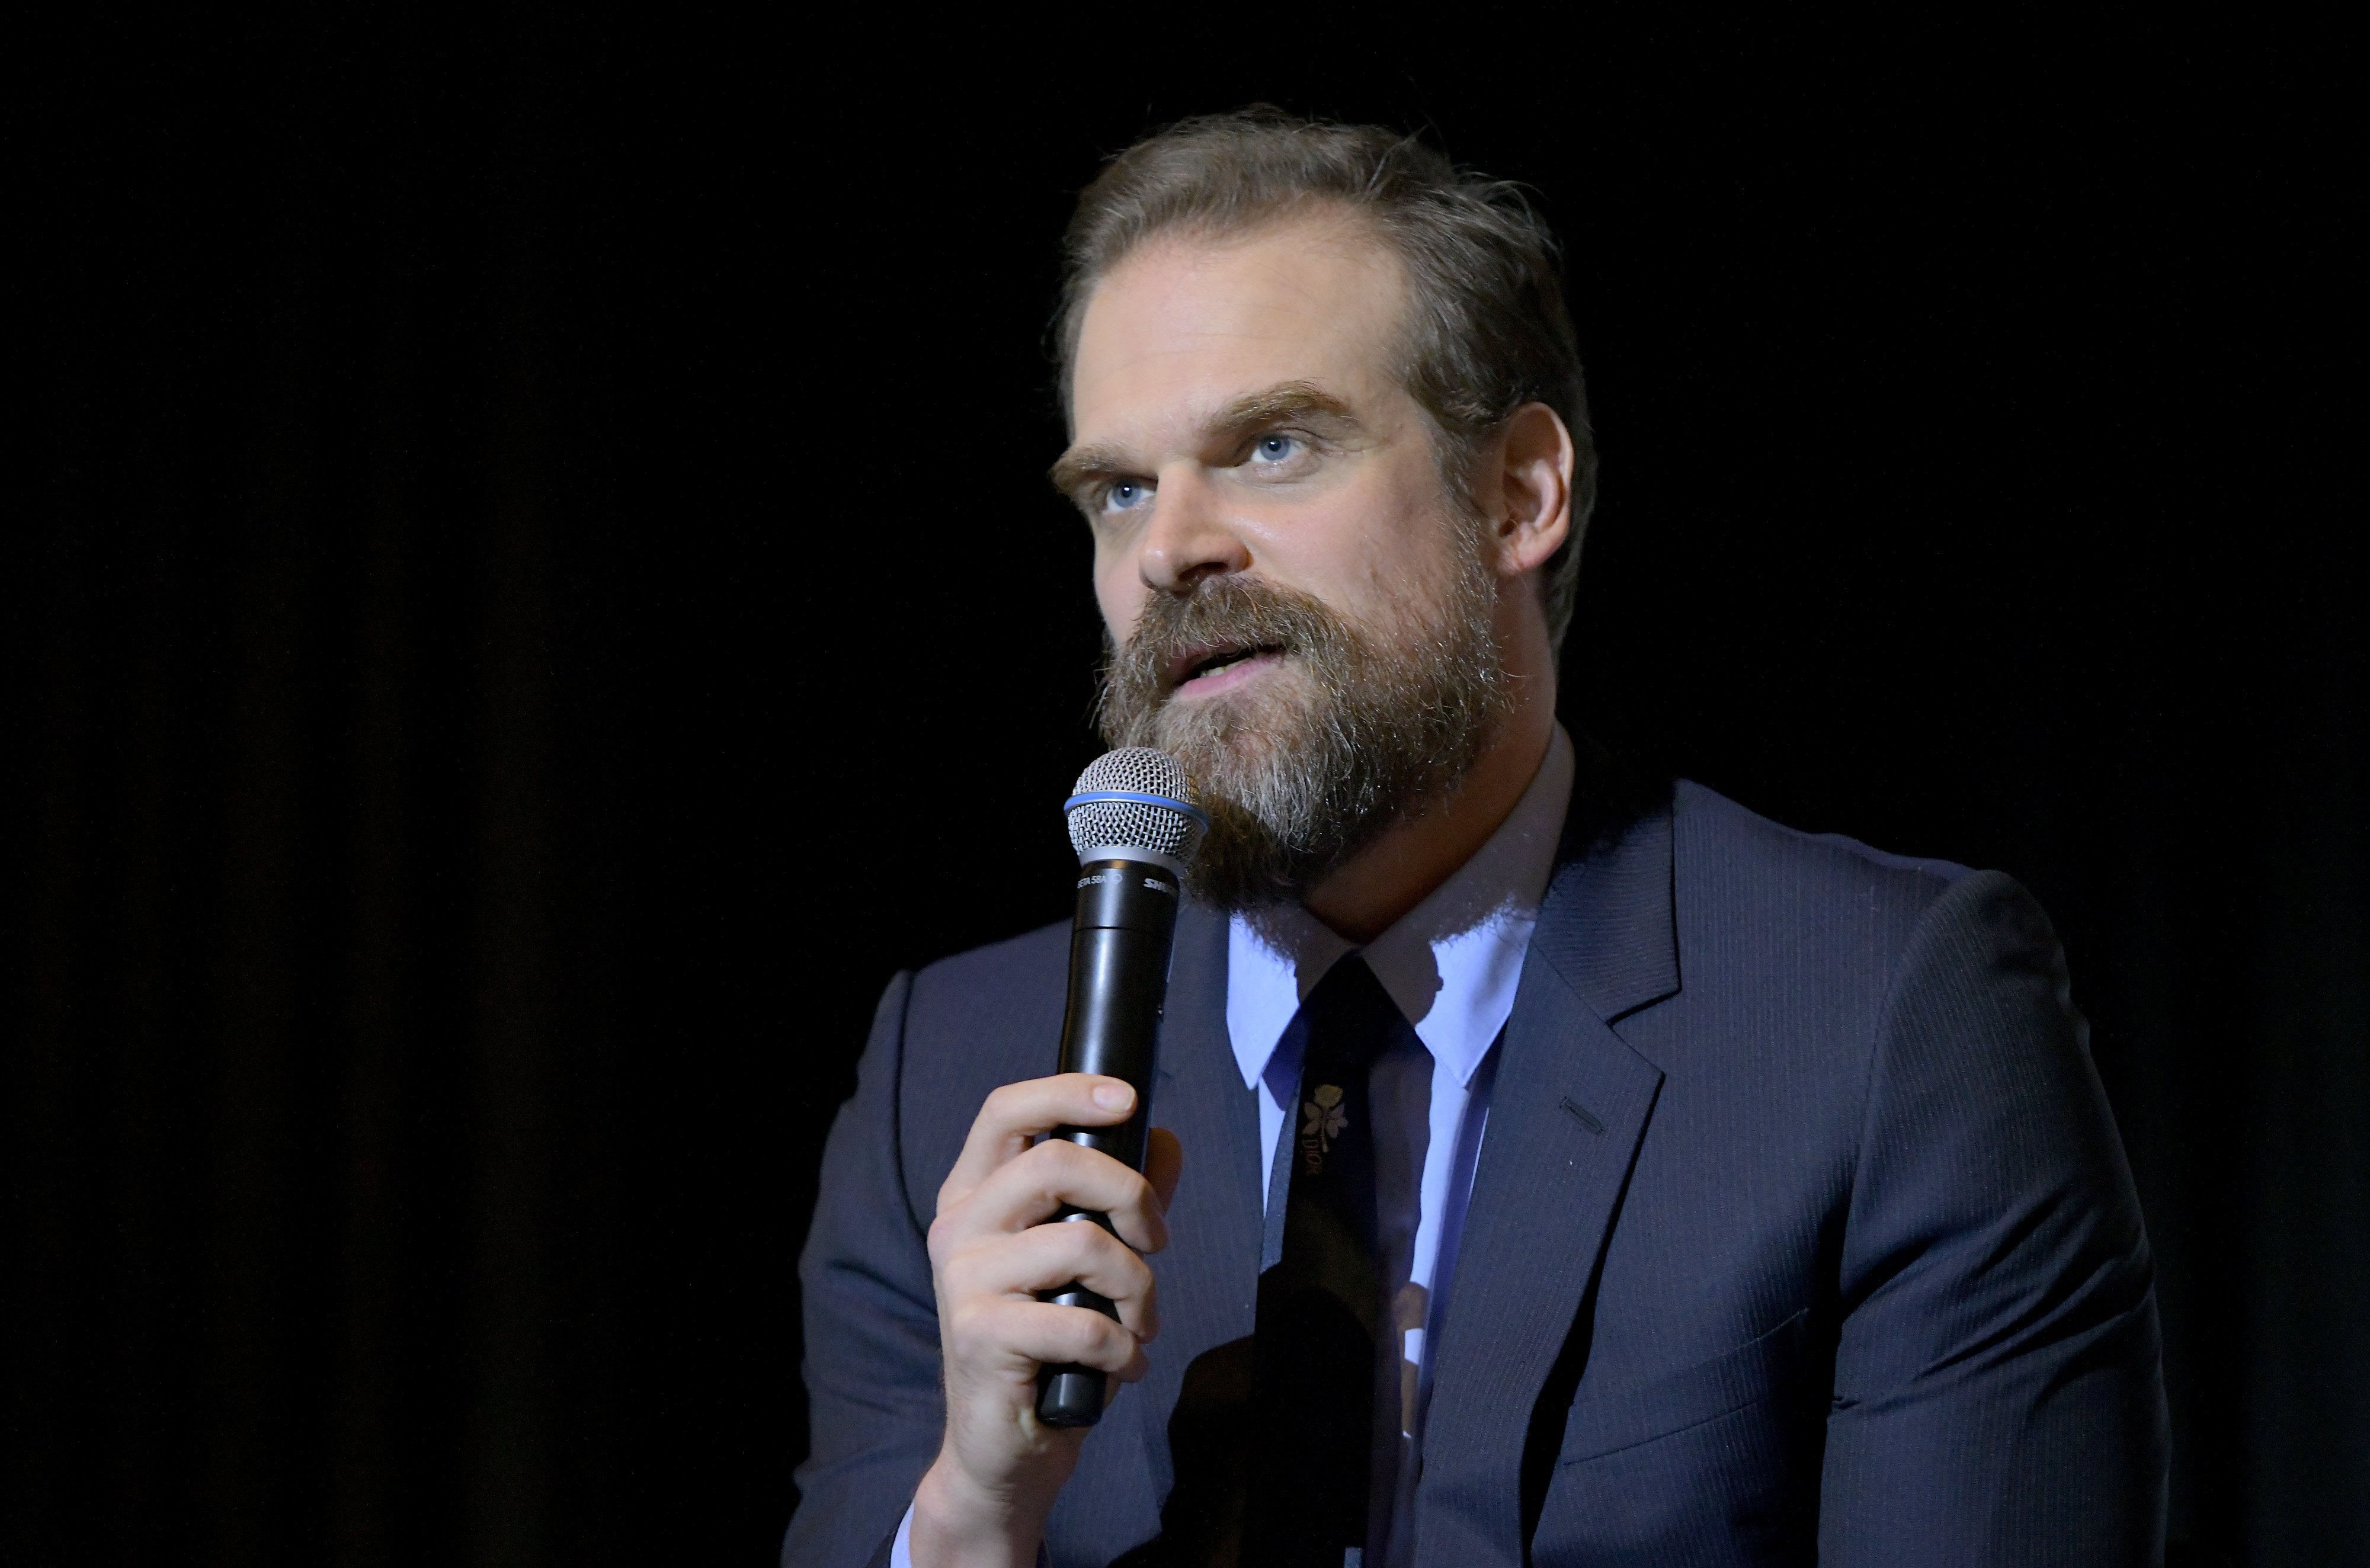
(986, 1499)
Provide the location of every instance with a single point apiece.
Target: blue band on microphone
(1092, 796)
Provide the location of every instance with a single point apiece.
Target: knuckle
(1034, 1161)
(1090, 1333)
(1117, 1252)
(941, 1236)
(977, 1271)
(949, 1246)
(954, 1278)
(1062, 1168)
(1113, 1261)
(1087, 1240)
(1091, 1255)
(1060, 1153)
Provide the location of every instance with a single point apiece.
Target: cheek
(1119, 593)
(1393, 547)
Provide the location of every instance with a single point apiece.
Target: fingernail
(1114, 1096)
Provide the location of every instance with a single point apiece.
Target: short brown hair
(1487, 330)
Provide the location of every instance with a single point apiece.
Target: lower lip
(1227, 680)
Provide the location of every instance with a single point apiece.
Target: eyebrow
(1244, 415)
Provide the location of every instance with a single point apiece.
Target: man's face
(1236, 411)
(1298, 609)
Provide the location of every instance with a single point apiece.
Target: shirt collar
(1451, 962)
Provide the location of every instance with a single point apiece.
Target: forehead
(1186, 323)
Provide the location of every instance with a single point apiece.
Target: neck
(1417, 853)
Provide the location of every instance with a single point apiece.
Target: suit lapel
(1209, 1277)
(1567, 1112)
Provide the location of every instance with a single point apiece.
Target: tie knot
(1349, 1018)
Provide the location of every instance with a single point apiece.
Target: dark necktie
(1320, 1307)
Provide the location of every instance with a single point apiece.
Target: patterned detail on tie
(1327, 1117)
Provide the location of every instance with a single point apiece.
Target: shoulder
(1735, 872)
(1789, 945)
(1838, 937)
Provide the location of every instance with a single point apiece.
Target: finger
(1164, 1161)
(1052, 1256)
(1033, 1188)
(1024, 1335)
(1018, 1113)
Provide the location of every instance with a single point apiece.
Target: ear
(1525, 489)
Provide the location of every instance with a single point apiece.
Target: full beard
(1360, 727)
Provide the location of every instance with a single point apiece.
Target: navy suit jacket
(1801, 1231)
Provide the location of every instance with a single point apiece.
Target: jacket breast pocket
(1606, 1422)
(1715, 1463)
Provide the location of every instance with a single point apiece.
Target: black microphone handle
(1120, 946)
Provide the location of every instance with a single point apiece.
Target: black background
(517, 515)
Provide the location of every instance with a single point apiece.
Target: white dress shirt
(1451, 964)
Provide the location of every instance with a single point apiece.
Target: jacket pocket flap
(1608, 1420)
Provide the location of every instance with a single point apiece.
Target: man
(1547, 1166)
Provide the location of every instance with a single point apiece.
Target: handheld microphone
(1134, 824)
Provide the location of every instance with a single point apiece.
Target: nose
(1189, 538)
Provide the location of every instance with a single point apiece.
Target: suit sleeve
(872, 1366)
(1999, 1393)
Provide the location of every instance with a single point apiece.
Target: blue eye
(1273, 448)
(1125, 495)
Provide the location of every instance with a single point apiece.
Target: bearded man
(1728, 1194)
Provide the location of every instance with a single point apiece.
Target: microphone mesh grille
(1138, 770)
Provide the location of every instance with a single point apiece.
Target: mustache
(1219, 613)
